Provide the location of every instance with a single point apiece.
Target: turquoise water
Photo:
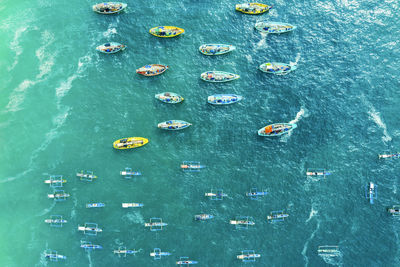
(63, 104)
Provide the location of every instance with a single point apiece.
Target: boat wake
(296, 60)
(135, 217)
(302, 113)
(312, 214)
(305, 247)
(263, 42)
(375, 116)
(14, 45)
(110, 31)
(46, 61)
(45, 211)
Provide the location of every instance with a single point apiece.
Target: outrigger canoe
(218, 76)
(274, 27)
(173, 125)
(110, 48)
(109, 7)
(224, 99)
(152, 69)
(169, 97)
(276, 129)
(203, 217)
(130, 142)
(253, 8)
(216, 49)
(166, 31)
(277, 68)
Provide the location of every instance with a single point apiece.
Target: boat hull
(109, 8)
(224, 99)
(274, 27)
(173, 125)
(277, 68)
(216, 49)
(110, 48)
(218, 76)
(130, 142)
(152, 70)
(276, 129)
(166, 31)
(253, 8)
(169, 98)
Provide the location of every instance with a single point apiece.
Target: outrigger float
(95, 205)
(157, 254)
(55, 181)
(389, 156)
(216, 194)
(52, 255)
(318, 172)
(371, 192)
(132, 205)
(277, 216)
(185, 261)
(394, 210)
(128, 173)
(328, 251)
(55, 221)
(254, 194)
(86, 176)
(192, 166)
(58, 195)
(203, 217)
(88, 246)
(155, 224)
(90, 229)
(122, 251)
(248, 256)
(242, 222)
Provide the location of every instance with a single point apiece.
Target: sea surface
(62, 104)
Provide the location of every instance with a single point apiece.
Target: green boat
(216, 49)
(218, 76)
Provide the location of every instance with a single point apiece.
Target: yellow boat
(253, 8)
(130, 142)
(166, 31)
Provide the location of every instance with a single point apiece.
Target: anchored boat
(109, 7)
(394, 210)
(253, 8)
(152, 69)
(216, 49)
(90, 229)
(88, 246)
(110, 48)
(218, 76)
(277, 68)
(169, 97)
(132, 205)
(276, 129)
(95, 205)
(274, 27)
(155, 224)
(277, 216)
(86, 176)
(173, 125)
(130, 142)
(185, 261)
(55, 181)
(203, 217)
(192, 166)
(157, 254)
(166, 31)
(224, 99)
(55, 221)
(371, 192)
(122, 251)
(248, 256)
(52, 255)
(389, 156)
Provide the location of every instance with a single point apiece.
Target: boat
(58, 196)
(90, 229)
(169, 97)
(328, 251)
(224, 99)
(132, 205)
(371, 192)
(394, 210)
(110, 48)
(109, 7)
(52, 255)
(86, 176)
(173, 125)
(274, 27)
(166, 31)
(192, 166)
(203, 217)
(389, 156)
(277, 68)
(216, 49)
(239, 222)
(157, 254)
(130, 142)
(128, 173)
(317, 172)
(152, 69)
(123, 251)
(218, 76)
(253, 8)
(255, 194)
(95, 205)
(58, 181)
(55, 221)
(248, 256)
(277, 216)
(276, 129)
(89, 246)
(185, 261)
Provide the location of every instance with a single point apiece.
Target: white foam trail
(110, 32)
(312, 214)
(135, 217)
(90, 259)
(298, 56)
(65, 86)
(45, 211)
(15, 46)
(302, 113)
(305, 247)
(46, 62)
(263, 42)
(375, 116)
(58, 122)
(249, 58)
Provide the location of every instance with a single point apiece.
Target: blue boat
(173, 125)
(95, 205)
(157, 254)
(277, 129)
(89, 246)
(255, 194)
(371, 192)
(224, 99)
(277, 68)
(203, 217)
(274, 27)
